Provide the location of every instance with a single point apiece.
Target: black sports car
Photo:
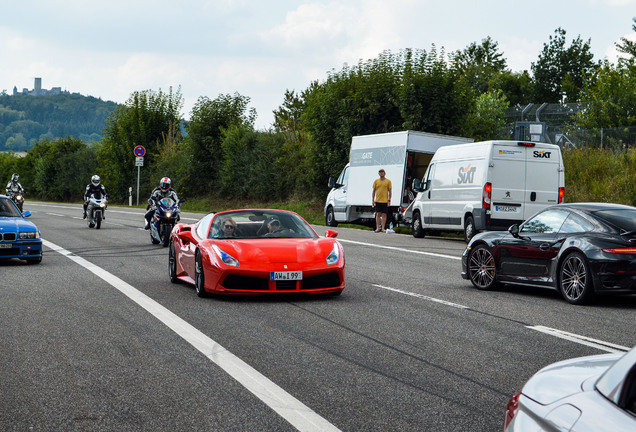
(581, 250)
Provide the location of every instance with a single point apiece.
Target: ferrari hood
(278, 250)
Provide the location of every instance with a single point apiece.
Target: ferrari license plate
(286, 275)
(5, 245)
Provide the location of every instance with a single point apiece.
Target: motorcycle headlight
(334, 256)
(29, 235)
(168, 214)
(225, 257)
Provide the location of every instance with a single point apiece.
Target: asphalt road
(96, 338)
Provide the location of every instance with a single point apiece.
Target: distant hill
(25, 119)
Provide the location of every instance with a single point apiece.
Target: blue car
(19, 238)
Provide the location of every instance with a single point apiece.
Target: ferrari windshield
(8, 209)
(251, 224)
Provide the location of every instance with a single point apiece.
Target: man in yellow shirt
(381, 199)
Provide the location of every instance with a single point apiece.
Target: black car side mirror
(514, 230)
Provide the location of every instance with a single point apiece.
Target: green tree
(610, 98)
(628, 46)
(145, 118)
(480, 64)
(208, 120)
(297, 169)
(487, 120)
(518, 87)
(560, 72)
(58, 169)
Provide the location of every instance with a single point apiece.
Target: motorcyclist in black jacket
(163, 191)
(92, 188)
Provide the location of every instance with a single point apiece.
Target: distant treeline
(26, 119)
(221, 154)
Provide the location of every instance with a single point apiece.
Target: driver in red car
(275, 228)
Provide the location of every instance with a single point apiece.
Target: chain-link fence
(553, 123)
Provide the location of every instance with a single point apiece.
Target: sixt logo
(466, 175)
(542, 154)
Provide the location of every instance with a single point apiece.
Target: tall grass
(594, 175)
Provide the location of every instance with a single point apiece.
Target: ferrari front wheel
(172, 264)
(199, 278)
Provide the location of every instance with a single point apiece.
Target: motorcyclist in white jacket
(14, 187)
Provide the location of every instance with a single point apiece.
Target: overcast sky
(260, 48)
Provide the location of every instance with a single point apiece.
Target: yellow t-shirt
(381, 188)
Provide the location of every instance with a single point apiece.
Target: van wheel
(418, 231)
(469, 229)
(330, 218)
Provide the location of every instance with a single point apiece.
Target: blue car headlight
(30, 235)
(334, 255)
(225, 257)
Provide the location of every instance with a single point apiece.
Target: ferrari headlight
(334, 255)
(225, 257)
(29, 235)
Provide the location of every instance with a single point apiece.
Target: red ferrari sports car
(255, 252)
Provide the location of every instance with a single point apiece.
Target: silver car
(595, 393)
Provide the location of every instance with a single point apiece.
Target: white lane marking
(583, 340)
(55, 214)
(109, 211)
(291, 409)
(401, 249)
(423, 297)
(572, 337)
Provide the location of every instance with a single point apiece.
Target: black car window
(575, 224)
(547, 222)
(622, 218)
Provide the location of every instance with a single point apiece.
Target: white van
(403, 155)
(487, 185)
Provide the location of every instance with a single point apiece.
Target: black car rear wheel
(575, 279)
(482, 270)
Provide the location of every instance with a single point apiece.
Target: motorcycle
(18, 199)
(95, 210)
(165, 217)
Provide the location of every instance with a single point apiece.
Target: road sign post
(139, 152)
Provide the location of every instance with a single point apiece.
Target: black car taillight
(511, 409)
(625, 251)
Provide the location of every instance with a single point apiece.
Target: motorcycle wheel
(98, 219)
(166, 229)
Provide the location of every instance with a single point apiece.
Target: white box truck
(486, 185)
(403, 155)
